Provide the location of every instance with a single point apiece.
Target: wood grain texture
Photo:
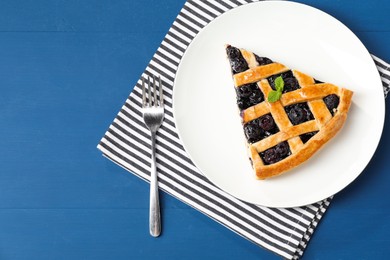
(66, 67)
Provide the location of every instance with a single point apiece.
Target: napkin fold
(284, 231)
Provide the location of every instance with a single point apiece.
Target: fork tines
(152, 101)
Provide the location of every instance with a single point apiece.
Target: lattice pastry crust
(308, 114)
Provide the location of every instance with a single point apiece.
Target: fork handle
(154, 205)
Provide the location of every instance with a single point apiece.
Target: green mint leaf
(274, 96)
(279, 84)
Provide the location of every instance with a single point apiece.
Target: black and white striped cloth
(285, 232)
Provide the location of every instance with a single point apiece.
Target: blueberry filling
(276, 153)
(253, 132)
(332, 102)
(248, 95)
(299, 113)
(306, 137)
(263, 60)
(260, 128)
(237, 61)
(267, 122)
(290, 82)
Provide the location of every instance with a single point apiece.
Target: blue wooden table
(66, 67)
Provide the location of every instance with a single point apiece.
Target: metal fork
(153, 114)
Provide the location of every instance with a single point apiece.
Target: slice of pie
(286, 115)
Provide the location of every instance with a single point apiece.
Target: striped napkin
(284, 231)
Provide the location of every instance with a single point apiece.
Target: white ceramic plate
(303, 38)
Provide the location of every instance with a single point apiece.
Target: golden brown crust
(313, 145)
(303, 79)
(254, 112)
(258, 73)
(286, 134)
(310, 92)
(313, 93)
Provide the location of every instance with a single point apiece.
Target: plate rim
(278, 205)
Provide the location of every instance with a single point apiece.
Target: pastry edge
(310, 148)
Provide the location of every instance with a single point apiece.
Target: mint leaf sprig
(274, 95)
